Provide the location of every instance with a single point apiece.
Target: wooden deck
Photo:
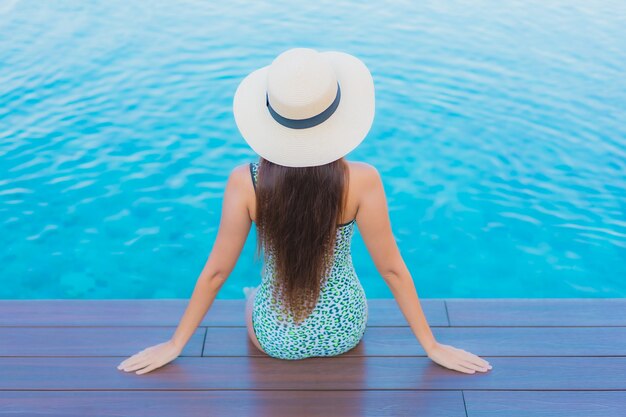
(550, 357)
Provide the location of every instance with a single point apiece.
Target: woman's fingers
(127, 362)
(459, 367)
(467, 362)
(472, 365)
(132, 360)
(138, 363)
(458, 359)
(455, 364)
(141, 364)
(147, 369)
(156, 363)
(476, 359)
(472, 358)
(150, 358)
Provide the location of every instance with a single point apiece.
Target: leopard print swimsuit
(336, 324)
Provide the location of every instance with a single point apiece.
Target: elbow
(394, 274)
(216, 280)
(390, 276)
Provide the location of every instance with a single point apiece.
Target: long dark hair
(298, 210)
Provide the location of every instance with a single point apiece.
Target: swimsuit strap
(253, 173)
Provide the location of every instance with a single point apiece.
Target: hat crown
(301, 83)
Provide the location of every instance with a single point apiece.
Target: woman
(302, 114)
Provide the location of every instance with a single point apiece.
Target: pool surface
(500, 134)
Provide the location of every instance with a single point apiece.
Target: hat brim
(343, 131)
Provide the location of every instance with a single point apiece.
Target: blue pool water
(500, 135)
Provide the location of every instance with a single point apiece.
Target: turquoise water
(500, 135)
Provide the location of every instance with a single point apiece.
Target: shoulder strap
(253, 173)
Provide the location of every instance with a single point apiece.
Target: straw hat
(307, 108)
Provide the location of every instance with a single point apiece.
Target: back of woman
(332, 320)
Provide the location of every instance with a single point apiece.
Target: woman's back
(336, 324)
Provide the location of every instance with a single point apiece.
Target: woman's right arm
(375, 228)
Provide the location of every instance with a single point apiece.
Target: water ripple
(499, 134)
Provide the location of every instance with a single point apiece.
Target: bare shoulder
(241, 170)
(362, 168)
(240, 177)
(365, 176)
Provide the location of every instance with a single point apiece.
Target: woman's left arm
(233, 231)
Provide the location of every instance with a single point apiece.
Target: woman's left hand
(457, 359)
(151, 358)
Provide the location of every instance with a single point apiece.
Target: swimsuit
(336, 324)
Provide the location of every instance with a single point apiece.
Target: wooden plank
(335, 373)
(168, 312)
(89, 341)
(490, 341)
(537, 312)
(386, 312)
(545, 403)
(234, 403)
(378, 341)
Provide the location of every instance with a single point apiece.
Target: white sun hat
(306, 108)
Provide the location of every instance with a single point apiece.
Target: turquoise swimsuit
(337, 323)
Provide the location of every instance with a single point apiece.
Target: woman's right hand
(457, 359)
(151, 358)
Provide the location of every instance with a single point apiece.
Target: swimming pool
(500, 135)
